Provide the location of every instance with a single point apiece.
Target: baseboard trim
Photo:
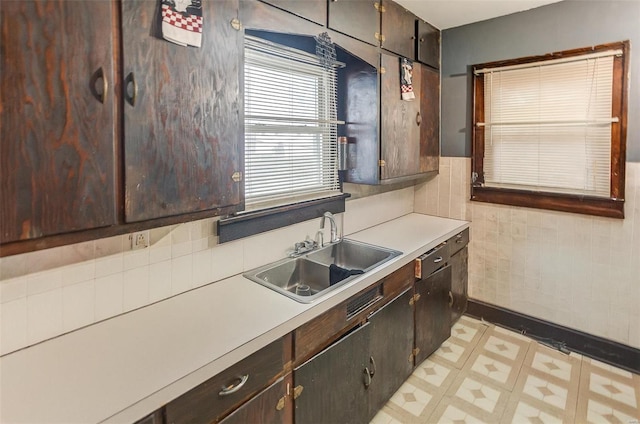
(558, 336)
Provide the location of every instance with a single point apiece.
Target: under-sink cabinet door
(333, 384)
(390, 349)
(432, 313)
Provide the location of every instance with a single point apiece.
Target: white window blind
(290, 125)
(548, 126)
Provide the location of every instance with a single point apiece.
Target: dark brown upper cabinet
(312, 10)
(57, 170)
(357, 18)
(183, 140)
(430, 113)
(428, 45)
(398, 30)
(400, 122)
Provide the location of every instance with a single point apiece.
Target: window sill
(587, 205)
(256, 222)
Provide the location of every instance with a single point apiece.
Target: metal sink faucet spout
(334, 227)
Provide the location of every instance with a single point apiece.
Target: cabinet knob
(422, 40)
(450, 299)
(234, 386)
(367, 378)
(100, 75)
(413, 37)
(131, 80)
(418, 119)
(372, 371)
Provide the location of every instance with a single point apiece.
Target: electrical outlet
(139, 240)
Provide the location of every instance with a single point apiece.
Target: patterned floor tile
(607, 394)
(486, 374)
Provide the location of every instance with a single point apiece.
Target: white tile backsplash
(109, 296)
(78, 305)
(44, 315)
(136, 288)
(13, 317)
(575, 270)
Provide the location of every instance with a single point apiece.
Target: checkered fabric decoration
(406, 79)
(190, 23)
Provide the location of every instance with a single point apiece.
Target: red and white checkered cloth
(180, 28)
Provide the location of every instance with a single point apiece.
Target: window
(549, 132)
(290, 125)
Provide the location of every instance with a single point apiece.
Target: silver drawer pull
(437, 260)
(235, 386)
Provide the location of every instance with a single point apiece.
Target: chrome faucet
(334, 227)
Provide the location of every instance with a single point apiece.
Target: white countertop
(123, 368)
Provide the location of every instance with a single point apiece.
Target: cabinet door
(390, 350)
(433, 313)
(398, 30)
(313, 10)
(428, 44)
(333, 382)
(271, 406)
(358, 18)
(57, 135)
(430, 126)
(400, 122)
(459, 282)
(183, 110)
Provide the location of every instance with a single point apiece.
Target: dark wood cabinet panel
(334, 382)
(313, 10)
(430, 127)
(57, 135)
(459, 282)
(432, 313)
(357, 18)
(271, 406)
(400, 122)
(390, 350)
(398, 29)
(428, 46)
(156, 417)
(222, 393)
(183, 132)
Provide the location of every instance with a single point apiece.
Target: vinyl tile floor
(486, 374)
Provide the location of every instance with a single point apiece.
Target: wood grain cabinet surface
(183, 138)
(359, 19)
(432, 313)
(216, 397)
(428, 44)
(312, 10)
(57, 136)
(398, 29)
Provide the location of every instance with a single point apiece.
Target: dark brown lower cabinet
(390, 349)
(271, 406)
(459, 282)
(350, 381)
(432, 312)
(334, 383)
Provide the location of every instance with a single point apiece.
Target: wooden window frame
(612, 206)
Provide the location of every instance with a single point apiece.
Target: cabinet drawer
(220, 394)
(457, 242)
(432, 260)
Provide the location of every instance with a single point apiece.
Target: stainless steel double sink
(306, 278)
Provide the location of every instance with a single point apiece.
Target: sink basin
(351, 254)
(306, 278)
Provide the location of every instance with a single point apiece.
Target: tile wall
(575, 270)
(51, 292)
